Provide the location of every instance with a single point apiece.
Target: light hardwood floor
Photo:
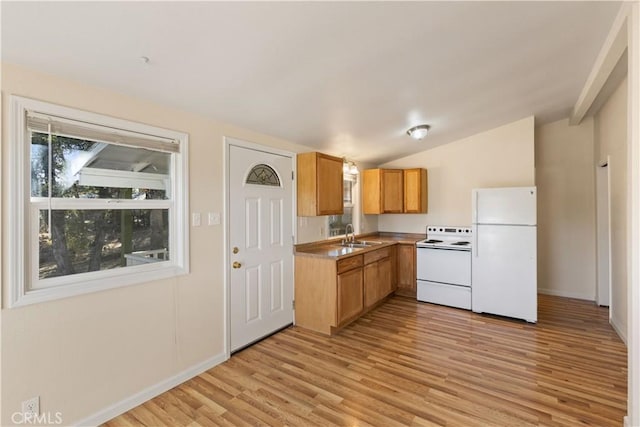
(409, 363)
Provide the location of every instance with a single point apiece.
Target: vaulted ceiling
(347, 78)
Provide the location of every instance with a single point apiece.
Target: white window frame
(23, 224)
(355, 205)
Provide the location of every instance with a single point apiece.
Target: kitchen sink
(360, 244)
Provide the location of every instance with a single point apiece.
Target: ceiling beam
(611, 52)
(122, 179)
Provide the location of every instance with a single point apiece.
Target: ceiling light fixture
(418, 132)
(349, 167)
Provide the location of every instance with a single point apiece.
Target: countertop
(331, 248)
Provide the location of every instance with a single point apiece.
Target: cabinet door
(371, 284)
(415, 190)
(384, 277)
(371, 191)
(393, 258)
(377, 281)
(350, 295)
(392, 190)
(406, 270)
(330, 186)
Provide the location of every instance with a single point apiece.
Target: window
(263, 175)
(100, 202)
(338, 223)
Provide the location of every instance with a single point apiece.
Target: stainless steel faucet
(346, 233)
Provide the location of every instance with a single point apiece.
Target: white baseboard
(131, 402)
(618, 330)
(558, 293)
(567, 294)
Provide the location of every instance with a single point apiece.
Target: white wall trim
(585, 297)
(149, 393)
(612, 50)
(633, 281)
(567, 294)
(616, 327)
(26, 287)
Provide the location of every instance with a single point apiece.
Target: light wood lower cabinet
(377, 277)
(331, 293)
(406, 269)
(349, 295)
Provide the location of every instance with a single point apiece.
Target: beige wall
(501, 157)
(565, 176)
(611, 140)
(84, 353)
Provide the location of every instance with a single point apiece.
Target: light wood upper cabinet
(415, 190)
(394, 191)
(319, 184)
(382, 191)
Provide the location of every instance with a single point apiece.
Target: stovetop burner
(452, 238)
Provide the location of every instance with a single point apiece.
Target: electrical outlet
(31, 406)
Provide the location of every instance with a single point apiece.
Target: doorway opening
(603, 234)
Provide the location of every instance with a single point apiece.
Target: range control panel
(441, 229)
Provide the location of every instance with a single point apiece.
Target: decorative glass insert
(263, 175)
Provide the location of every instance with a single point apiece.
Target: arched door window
(263, 175)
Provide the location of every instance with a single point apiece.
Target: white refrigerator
(504, 259)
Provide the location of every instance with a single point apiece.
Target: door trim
(227, 143)
(604, 168)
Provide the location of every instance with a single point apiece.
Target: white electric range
(443, 266)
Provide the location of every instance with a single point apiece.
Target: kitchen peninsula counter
(335, 285)
(331, 248)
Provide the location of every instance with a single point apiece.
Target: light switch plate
(195, 219)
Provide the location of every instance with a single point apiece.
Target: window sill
(86, 283)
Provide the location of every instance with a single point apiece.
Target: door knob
(236, 264)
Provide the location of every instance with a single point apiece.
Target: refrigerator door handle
(475, 206)
(475, 243)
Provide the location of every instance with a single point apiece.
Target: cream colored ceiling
(345, 77)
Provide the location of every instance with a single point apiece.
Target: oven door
(444, 266)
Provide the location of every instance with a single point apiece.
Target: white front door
(260, 243)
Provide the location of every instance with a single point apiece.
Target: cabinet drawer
(374, 256)
(349, 263)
